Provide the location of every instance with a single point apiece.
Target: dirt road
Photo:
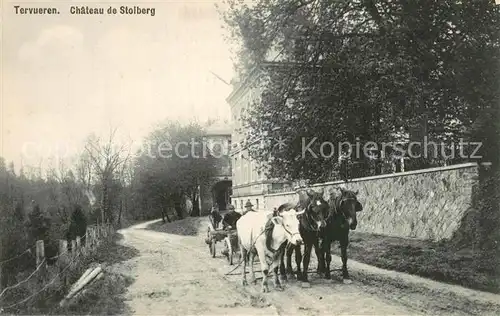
(175, 275)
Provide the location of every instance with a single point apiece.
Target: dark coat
(230, 219)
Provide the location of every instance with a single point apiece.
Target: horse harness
(338, 203)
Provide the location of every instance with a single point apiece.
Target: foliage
(105, 160)
(78, 224)
(105, 295)
(38, 225)
(362, 69)
(172, 168)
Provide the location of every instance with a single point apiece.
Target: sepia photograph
(250, 157)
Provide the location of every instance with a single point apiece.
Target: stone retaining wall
(426, 204)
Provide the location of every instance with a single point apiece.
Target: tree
(174, 165)
(38, 225)
(106, 159)
(366, 69)
(78, 224)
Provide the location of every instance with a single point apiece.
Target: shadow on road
(184, 227)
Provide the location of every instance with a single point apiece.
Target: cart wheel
(229, 248)
(212, 248)
(209, 240)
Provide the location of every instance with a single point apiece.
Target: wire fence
(16, 257)
(65, 258)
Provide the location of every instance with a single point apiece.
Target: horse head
(315, 207)
(347, 205)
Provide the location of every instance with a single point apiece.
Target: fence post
(78, 243)
(94, 241)
(87, 237)
(63, 259)
(97, 234)
(73, 248)
(63, 247)
(40, 257)
(40, 252)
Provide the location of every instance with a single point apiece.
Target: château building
(217, 191)
(248, 182)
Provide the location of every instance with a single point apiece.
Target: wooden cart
(231, 245)
(228, 237)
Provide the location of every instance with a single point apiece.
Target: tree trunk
(120, 213)
(104, 200)
(164, 215)
(196, 207)
(177, 205)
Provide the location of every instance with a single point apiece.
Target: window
(252, 178)
(248, 171)
(257, 204)
(241, 202)
(276, 186)
(235, 170)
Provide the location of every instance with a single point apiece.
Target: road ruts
(175, 275)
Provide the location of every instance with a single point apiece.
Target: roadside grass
(126, 223)
(189, 226)
(106, 296)
(432, 260)
(103, 298)
(42, 294)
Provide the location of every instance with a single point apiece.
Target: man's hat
(248, 204)
(230, 207)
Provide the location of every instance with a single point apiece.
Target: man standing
(248, 207)
(215, 217)
(230, 219)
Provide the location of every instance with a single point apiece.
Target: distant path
(175, 275)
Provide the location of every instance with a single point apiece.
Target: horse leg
(289, 251)
(344, 242)
(307, 257)
(327, 251)
(277, 283)
(319, 256)
(245, 258)
(252, 270)
(298, 261)
(265, 269)
(282, 262)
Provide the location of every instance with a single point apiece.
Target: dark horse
(342, 218)
(310, 224)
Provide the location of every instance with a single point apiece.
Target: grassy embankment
(433, 260)
(105, 296)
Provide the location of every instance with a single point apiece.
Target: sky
(65, 76)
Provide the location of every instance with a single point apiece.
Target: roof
(254, 72)
(218, 128)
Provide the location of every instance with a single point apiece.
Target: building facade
(217, 191)
(248, 182)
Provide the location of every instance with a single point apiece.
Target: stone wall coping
(281, 193)
(385, 176)
(248, 195)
